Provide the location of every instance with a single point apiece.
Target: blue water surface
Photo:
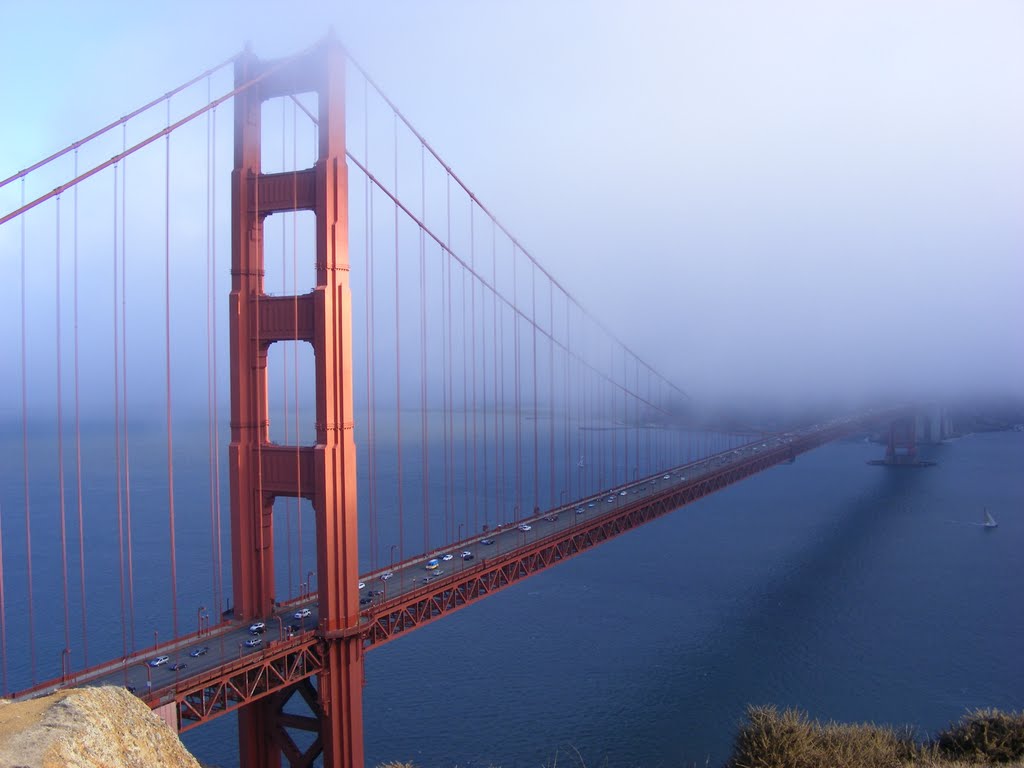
(852, 591)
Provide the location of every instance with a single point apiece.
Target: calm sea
(851, 591)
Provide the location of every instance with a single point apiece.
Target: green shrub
(984, 736)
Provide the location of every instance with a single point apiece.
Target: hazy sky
(783, 197)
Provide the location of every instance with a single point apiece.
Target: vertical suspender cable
(608, 408)
(117, 438)
(484, 369)
(425, 468)
(472, 355)
(568, 475)
(167, 346)
(284, 360)
(210, 447)
(78, 439)
(210, 384)
(463, 337)
(3, 612)
(636, 416)
(551, 392)
(370, 412)
(499, 489)
(295, 338)
(398, 367)
(536, 449)
(126, 454)
(258, 384)
(504, 417)
(24, 455)
(515, 330)
(445, 259)
(219, 570)
(60, 453)
(450, 482)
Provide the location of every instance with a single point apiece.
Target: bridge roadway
(400, 597)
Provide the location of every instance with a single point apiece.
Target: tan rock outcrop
(104, 727)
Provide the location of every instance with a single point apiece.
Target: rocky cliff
(87, 728)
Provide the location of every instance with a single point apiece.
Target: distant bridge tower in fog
(934, 423)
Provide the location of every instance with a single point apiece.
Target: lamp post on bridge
(390, 570)
(199, 620)
(561, 498)
(65, 664)
(149, 676)
(459, 537)
(309, 583)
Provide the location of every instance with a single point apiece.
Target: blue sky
(787, 197)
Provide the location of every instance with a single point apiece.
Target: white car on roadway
(386, 575)
(303, 613)
(159, 661)
(447, 557)
(525, 527)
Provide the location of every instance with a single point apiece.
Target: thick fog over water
(782, 201)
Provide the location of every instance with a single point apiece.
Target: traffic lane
(414, 575)
(222, 647)
(230, 645)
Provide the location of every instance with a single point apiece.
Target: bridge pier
(324, 473)
(901, 445)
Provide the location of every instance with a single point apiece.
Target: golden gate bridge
(377, 309)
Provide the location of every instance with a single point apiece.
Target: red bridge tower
(324, 473)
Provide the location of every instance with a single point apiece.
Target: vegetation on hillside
(770, 738)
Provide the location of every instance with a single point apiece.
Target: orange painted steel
(439, 598)
(247, 680)
(325, 473)
(266, 675)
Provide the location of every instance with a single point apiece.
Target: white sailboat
(990, 522)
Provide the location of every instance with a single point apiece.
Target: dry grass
(789, 739)
(770, 738)
(984, 736)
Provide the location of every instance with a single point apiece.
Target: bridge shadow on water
(660, 640)
(862, 606)
(820, 585)
(772, 622)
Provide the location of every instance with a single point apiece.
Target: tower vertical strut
(324, 473)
